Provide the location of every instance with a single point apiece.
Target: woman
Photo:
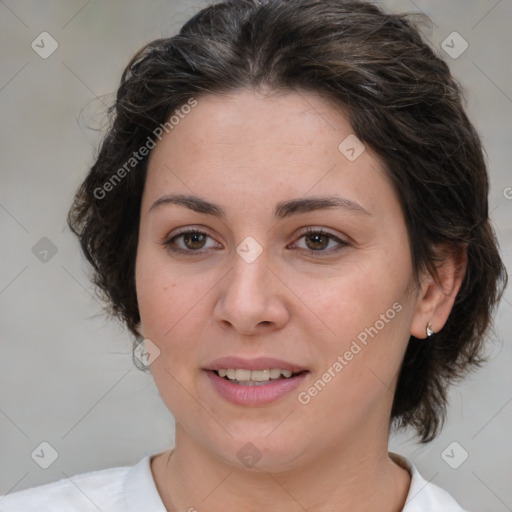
(290, 209)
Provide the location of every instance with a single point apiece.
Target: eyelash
(167, 242)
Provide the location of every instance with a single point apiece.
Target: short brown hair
(401, 101)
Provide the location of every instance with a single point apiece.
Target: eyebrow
(281, 210)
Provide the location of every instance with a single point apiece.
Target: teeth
(257, 375)
(275, 373)
(242, 375)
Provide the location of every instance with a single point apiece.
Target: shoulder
(425, 496)
(101, 489)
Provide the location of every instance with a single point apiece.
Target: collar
(141, 494)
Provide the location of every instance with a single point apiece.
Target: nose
(252, 298)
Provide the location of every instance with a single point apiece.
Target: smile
(245, 377)
(253, 393)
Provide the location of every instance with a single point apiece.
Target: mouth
(244, 377)
(254, 382)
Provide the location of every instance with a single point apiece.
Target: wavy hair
(401, 100)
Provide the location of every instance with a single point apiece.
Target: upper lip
(259, 363)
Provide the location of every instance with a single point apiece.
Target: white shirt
(133, 489)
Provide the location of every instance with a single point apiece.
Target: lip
(252, 396)
(259, 363)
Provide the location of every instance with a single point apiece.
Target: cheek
(169, 312)
(172, 317)
(368, 310)
(354, 296)
(166, 306)
(367, 307)
(163, 295)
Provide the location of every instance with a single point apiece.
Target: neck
(354, 477)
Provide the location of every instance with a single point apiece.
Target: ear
(438, 290)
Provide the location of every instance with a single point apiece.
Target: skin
(246, 152)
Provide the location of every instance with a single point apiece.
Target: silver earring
(430, 332)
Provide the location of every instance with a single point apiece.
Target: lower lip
(254, 395)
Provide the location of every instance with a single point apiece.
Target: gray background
(66, 373)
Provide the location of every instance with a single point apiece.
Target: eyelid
(167, 239)
(321, 230)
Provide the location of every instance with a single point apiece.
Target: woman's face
(336, 307)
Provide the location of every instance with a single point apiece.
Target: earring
(430, 332)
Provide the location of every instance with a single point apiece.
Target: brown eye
(189, 241)
(194, 240)
(319, 241)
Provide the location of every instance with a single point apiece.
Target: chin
(260, 452)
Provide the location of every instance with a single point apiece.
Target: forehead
(264, 144)
(246, 119)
